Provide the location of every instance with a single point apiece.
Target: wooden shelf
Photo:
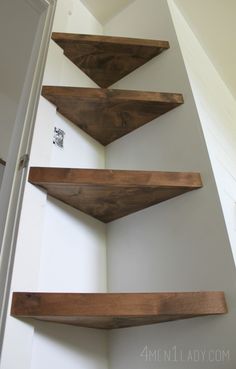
(107, 59)
(2, 162)
(111, 194)
(109, 114)
(116, 310)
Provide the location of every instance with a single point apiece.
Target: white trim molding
(14, 177)
(38, 5)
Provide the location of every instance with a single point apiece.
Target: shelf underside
(107, 115)
(116, 310)
(2, 162)
(107, 59)
(111, 194)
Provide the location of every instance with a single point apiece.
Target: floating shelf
(2, 162)
(111, 194)
(116, 310)
(109, 114)
(107, 59)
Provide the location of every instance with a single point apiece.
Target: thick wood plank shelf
(116, 310)
(2, 162)
(111, 194)
(107, 59)
(109, 114)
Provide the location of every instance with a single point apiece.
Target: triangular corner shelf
(111, 194)
(107, 115)
(107, 59)
(2, 162)
(116, 310)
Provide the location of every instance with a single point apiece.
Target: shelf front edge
(116, 310)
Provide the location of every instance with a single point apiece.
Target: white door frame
(15, 175)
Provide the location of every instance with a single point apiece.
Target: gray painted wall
(16, 19)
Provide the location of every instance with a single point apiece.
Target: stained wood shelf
(116, 310)
(111, 194)
(107, 59)
(2, 162)
(107, 115)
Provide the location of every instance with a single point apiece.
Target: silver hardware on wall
(24, 160)
(58, 137)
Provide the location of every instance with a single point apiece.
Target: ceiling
(103, 10)
(212, 21)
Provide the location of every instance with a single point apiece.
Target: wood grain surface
(107, 59)
(111, 194)
(109, 114)
(116, 310)
(2, 162)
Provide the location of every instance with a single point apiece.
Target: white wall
(179, 245)
(73, 249)
(59, 248)
(217, 110)
(213, 22)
